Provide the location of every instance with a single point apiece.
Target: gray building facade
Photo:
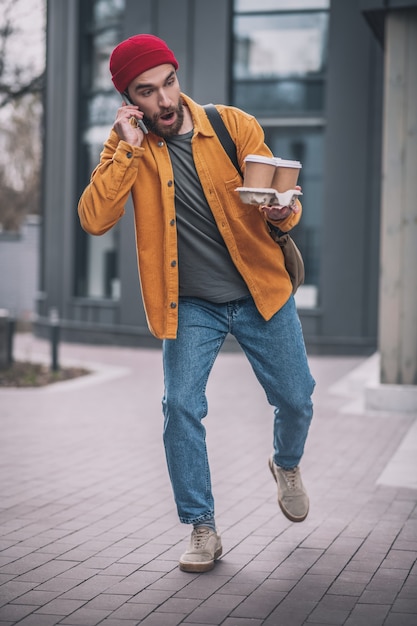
(321, 102)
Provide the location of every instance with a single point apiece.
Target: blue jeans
(277, 354)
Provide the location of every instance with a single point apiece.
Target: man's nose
(164, 100)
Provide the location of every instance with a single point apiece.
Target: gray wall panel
(211, 51)
(346, 256)
(60, 199)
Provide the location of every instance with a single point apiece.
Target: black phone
(140, 123)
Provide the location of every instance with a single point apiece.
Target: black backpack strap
(223, 134)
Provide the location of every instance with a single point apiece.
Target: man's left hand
(277, 212)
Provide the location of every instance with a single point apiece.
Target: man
(208, 266)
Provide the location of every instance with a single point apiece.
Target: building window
(96, 271)
(279, 75)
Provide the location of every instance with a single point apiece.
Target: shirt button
(173, 263)
(172, 223)
(160, 144)
(173, 305)
(129, 155)
(170, 183)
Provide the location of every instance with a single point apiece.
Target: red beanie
(136, 55)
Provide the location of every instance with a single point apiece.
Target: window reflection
(279, 63)
(243, 6)
(267, 98)
(280, 45)
(106, 10)
(101, 111)
(101, 46)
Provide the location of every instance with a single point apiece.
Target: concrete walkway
(89, 533)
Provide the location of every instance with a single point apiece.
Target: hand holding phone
(137, 122)
(129, 125)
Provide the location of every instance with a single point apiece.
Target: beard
(166, 131)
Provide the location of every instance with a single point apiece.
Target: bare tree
(17, 79)
(20, 174)
(21, 86)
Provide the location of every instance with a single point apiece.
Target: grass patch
(27, 374)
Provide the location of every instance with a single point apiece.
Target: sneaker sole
(287, 514)
(199, 568)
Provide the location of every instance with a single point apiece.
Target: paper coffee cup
(286, 174)
(259, 171)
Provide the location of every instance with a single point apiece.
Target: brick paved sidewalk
(88, 530)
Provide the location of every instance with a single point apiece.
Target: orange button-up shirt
(146, 173)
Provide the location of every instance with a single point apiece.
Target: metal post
(4, 340)
(11, 324)
(55, 332)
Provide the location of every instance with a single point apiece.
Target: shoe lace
(291, 478)
(200, 536)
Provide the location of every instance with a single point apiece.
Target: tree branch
(9, 94)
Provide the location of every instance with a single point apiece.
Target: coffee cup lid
(257, 158)
(287, 163)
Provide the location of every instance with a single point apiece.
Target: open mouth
(167, 117)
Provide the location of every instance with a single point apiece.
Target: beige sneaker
(292, 496)
(205, 547)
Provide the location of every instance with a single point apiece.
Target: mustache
(157, 116)
(165, 112)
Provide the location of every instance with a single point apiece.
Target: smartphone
(140, 123)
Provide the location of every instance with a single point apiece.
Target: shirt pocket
(235, 206)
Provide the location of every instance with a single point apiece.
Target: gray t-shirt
(206, 269)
